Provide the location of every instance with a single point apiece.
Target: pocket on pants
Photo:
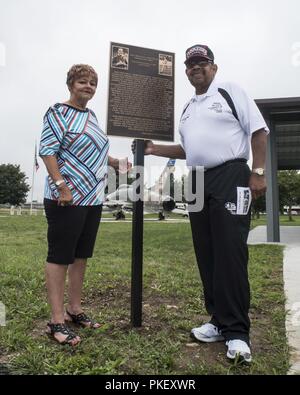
(242, 203)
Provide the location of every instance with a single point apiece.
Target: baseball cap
(199, 51)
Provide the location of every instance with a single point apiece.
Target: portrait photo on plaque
(120, 56)
(165, 64)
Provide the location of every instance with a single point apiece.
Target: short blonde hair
(79, 70)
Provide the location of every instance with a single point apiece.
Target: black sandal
(61, 328)
(83, 320)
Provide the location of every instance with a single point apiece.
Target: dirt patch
(192, 352)
(117, 300)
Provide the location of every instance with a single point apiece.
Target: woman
(75, 152)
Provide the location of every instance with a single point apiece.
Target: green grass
(172, 305)
(283, 220)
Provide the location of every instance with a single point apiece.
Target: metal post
(34, 169)
(137, 243)
(272, 198)
(32, 187)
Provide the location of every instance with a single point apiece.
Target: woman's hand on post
(121, 165)
(124, 165)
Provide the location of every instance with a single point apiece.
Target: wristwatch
(59, 182)
(259, 171)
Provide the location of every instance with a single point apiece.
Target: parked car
(293, 212)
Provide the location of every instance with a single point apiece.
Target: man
(120, 59)
(217, 127)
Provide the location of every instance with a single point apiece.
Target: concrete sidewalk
(290, 238)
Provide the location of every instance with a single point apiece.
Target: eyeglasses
(200, 63)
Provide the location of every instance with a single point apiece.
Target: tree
(13, 186)
(289, 189)
(258, 206)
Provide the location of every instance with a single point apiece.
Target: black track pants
(220, 241)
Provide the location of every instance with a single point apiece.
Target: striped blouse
(81, 149)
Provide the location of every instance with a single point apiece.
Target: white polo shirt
(210, 134)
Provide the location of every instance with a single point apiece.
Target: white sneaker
(207, 333)
(238, 349)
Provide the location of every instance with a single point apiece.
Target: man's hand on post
(148, 147)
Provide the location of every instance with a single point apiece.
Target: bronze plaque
(141, 93)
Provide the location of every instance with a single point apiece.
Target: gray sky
(256, 44)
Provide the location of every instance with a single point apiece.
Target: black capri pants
(72, 231)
